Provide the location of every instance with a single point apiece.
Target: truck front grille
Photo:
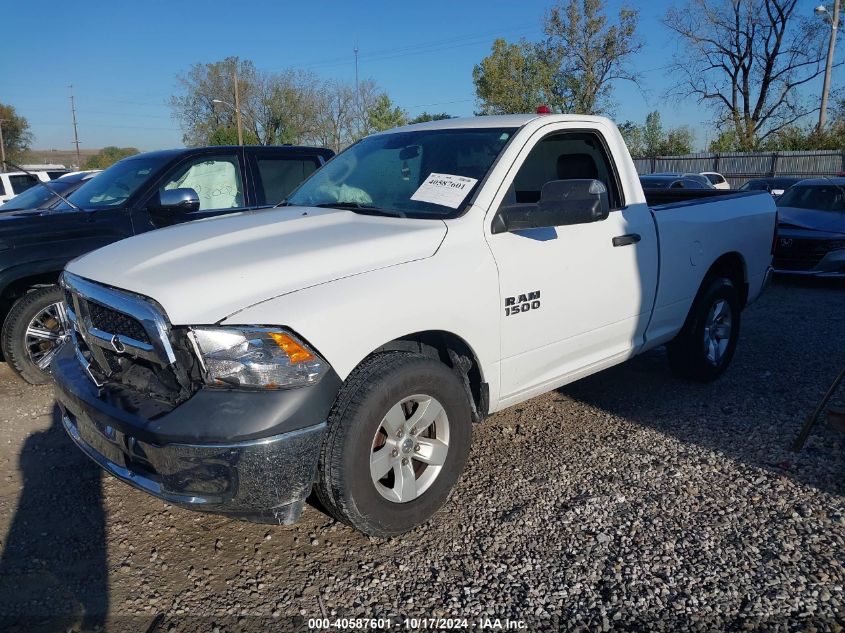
(114, 322)
(125, 339)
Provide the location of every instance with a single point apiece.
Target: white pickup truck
(425, 278)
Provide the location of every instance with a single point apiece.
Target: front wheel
(36, 327)
(705, 345)
(396, 444)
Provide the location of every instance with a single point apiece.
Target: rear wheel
(397, 442)
(705, 346)
(37, 325)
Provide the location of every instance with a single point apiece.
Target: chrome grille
(113, 324)
(109, 320)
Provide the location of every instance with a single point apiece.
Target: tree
(108, 156)
(384, 115)
(653, 134)
(633, 135)
(678, 141)
(651, 139)
(514, 78)
(424, 117)
(589, 54)
(196, 109)
(287, 107)
(747, 59)
(16, 134)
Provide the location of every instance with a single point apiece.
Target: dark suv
(138, 194)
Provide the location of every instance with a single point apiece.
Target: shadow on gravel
(53, 569)
(792, 345)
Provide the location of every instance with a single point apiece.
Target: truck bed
(662, 198)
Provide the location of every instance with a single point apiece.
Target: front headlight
(264, 358)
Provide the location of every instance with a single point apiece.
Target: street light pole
(831, 47)
(2, 145)
(237, 116)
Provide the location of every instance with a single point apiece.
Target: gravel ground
(630, 500)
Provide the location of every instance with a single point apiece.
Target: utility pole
(2, 145)
(75, 134)
(357, 91)
(238, 105)
(831, 46)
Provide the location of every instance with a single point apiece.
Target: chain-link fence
(738, 167)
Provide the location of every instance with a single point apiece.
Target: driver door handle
(624, 240)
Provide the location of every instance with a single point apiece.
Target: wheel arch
(453, 351)
(731, 266)
(16, 287)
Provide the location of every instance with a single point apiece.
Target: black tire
(688, 354)
(13, 336)
(344, 484)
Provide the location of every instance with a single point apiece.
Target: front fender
(454, 291)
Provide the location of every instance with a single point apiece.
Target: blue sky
(122, 57)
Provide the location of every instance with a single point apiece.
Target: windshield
(816, 197)
(420, 174)
(115, 185)
(35, 197)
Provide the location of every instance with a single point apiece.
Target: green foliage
(651, 139)
(795, 138)
(294, 107)
(589, 53)
(424, 117)
(384, 115)
(229, 136)
(727, 141)
(514, 78)
(572, 70)
(108, 156)
(16, 134)
(653, 134)
(633, 135)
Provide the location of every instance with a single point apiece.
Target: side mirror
(183, 200)
(562, 202)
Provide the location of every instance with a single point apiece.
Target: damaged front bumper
(204, 454)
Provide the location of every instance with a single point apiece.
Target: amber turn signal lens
(294, 350)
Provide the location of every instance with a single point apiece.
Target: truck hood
(826, 221)
(23, 227)
(203, 271)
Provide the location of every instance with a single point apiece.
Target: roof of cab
(494, 121)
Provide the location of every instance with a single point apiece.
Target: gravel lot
(628, 500)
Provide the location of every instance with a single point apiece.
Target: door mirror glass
(180, 200)
(562, 202)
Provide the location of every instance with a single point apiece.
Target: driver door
(573, 298)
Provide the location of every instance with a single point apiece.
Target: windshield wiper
(357, 207)
(46, 186)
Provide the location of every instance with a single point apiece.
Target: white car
(716, 179)
(425, 278)
(14, 182)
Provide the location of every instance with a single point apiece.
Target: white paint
(350, 283)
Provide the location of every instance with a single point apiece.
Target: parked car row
(13, 183)
(41, 196)
(138, 194)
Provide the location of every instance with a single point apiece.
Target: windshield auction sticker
(444, 189)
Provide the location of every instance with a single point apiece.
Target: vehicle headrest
(576, 166)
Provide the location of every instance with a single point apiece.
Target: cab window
(279, 175)
(216, 179)
(564, 156)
